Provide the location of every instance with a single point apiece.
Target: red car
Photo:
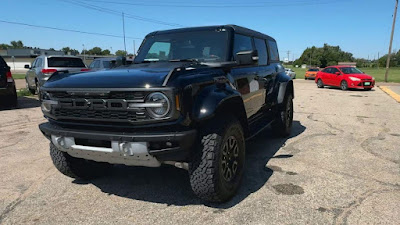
(345, 77)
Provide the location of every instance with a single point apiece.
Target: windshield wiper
(185, 60)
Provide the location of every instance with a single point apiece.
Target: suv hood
(126, 77)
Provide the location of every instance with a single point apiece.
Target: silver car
(44, 66)
(290, 73)
(102, 64)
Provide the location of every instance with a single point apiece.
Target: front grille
(99, 106)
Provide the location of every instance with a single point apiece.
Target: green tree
(67, 50)
(95, 51)
(106, 52)
(4, 46)
(326, 56)
(17, 44)
(121, 53)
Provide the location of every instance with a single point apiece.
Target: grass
(18, 76)
(23, 92)
(379, 74)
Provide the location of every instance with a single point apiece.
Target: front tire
(343, 85)
(76, 167)
(284, 118)
(217, 167)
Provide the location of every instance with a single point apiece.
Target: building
(353, 64)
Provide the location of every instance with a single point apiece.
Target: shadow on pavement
(23, 103)
(170, 185)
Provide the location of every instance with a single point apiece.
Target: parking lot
(340, 165)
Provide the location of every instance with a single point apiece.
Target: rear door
(335, 79)
(3, 73)
(30, 74)
(324, 75)
(70, 64)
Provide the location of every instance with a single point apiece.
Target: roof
(339, 66)
(235, 28)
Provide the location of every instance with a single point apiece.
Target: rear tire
(75, 167)
(320, 84)
(367, 89)
(284, 118)
(217, 166)
(344, 86)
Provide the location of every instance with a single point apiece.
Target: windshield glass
(65, 62)
(205, 46)
(350, 70)
(313, 70)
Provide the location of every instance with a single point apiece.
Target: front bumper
(362, 84)
(8, 90)
(168, 146)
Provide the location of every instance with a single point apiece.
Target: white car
(290, 73)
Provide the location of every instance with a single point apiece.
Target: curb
(391, 93)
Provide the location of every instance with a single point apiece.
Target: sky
(361, 27)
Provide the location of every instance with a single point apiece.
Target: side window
(34, 63)
(241, 43)
(91, 66)
(94, 64)
(334, 70)
(273, 51)
(327, 70)
(262, 51)
(2, 62)
(39, 63)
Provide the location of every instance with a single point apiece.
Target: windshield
(313, 70)
(350, 70)
(205, 46)
(65, 62)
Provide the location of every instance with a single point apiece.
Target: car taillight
(48, 71)
(9, 77)
(85, 69)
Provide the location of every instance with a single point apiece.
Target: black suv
(8, 93)
(191, 99)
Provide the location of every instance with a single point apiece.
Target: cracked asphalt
(340, 166)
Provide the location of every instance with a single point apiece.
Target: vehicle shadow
(171, 186)
(350, 89)
(23, 103)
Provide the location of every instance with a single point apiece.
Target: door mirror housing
(337, 73)
(27, 66)
(247, 57)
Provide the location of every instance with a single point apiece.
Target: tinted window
(159, 51)
(262, 51)
(39, 63)
(34, 63)
(107, 64)
(326, 70)
(65, 62)
(2, 62)
(334, 70)
(273, 50)
(313, 70)
(242, 43)
(91, 66)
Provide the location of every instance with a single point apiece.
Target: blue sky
(361, 27)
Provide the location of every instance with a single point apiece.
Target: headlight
(161, 105)
(373, 78)
(354, 78)
(47, 105)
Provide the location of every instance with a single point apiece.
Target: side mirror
(337, 73)
(247, 57)
(27, 66)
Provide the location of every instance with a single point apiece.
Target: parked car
(311, 73)
(44, 66)
(345, 77)
(102, 63)
(191, 99)
(8, 93)
(290, 73)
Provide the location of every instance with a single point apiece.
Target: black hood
(135, 76)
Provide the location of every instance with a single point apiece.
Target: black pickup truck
(191, 99)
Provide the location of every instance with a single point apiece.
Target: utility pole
(123, 28)
(378, 61)
(84, 53)
(134, 47)
(391, 42)
(288, 55)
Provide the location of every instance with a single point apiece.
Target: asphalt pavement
(340, 166)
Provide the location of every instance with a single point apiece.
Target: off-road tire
(320, 84)
(282, 124)
(206, 169)
(75, 167)
(344, 86)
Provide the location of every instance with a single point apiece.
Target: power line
(216, 5)
(68, 30)
(117, 13)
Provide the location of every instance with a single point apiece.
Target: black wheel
(284, 118)
(343, 85)
(305, 78)
(217, 167)
(367, 89)
(320, 84)
(75, 167)
(37, 88)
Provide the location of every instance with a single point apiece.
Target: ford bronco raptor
(191, 99)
